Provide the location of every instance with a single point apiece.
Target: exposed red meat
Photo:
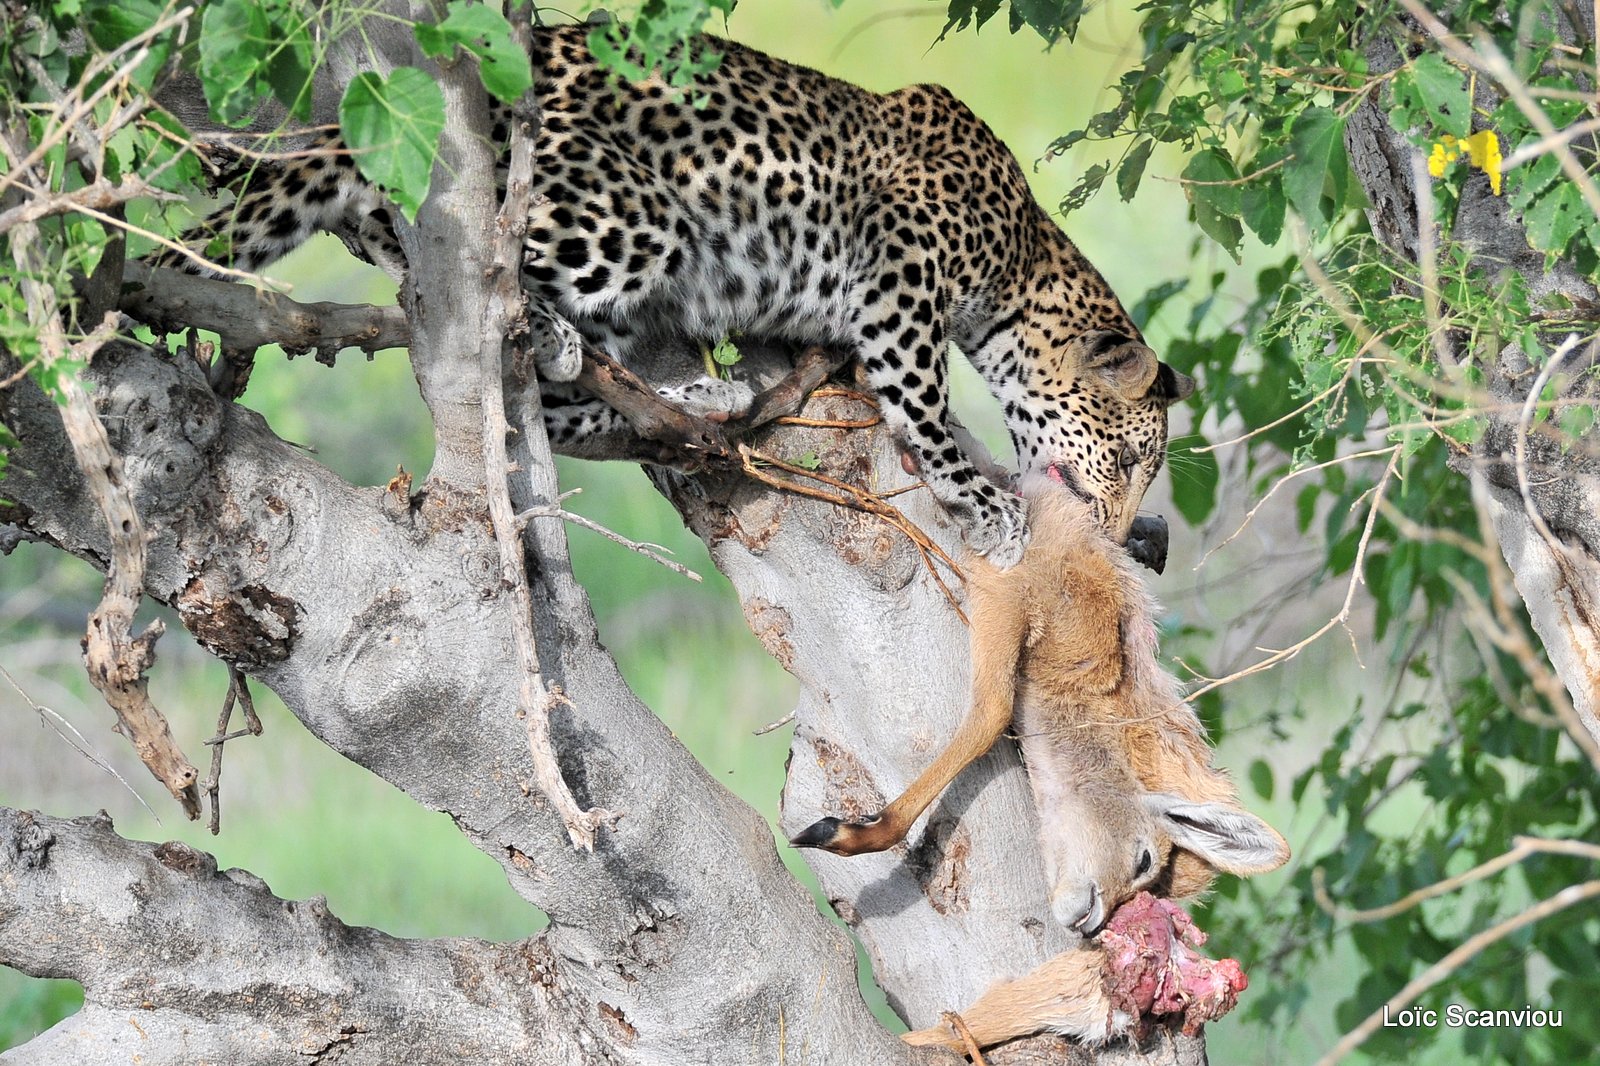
(1152, 970)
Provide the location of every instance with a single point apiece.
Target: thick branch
(170, 302)
(178, 961)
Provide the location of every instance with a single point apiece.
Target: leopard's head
(1092, 417)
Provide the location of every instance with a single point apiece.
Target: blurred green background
(311, 823)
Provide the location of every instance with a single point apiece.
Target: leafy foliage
(659, 36)
(483, 31)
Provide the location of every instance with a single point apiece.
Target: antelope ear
(1127, 367)
(1224, 835)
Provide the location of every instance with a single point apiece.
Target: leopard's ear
(1172, 386)
(1125, 366)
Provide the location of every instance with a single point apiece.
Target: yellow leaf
(1483, 150)
(1437, 161)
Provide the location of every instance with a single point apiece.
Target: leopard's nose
(1147, 542)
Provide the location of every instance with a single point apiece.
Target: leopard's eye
(1127, 459)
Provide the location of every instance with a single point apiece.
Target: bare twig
(770, 726)
(1520, 445)
(1522, 848)
(1549, 143)
(649, 551)
(1284, 480)
(957, 1023)
(855, 498)
(136, 50)
(1342, 618)
(238, 688)
(76, 741)
(100, 194)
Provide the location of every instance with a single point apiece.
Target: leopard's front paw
(556, 344)
(998, 528)
(710, 398)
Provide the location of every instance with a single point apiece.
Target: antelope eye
(1145, 860)
(1127, 459)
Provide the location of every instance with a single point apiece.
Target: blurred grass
(308, 821)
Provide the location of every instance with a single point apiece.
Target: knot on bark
(27, 843)
(175, 855)
(165, 422)
(249, 626)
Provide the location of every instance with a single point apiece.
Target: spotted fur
(790, 204)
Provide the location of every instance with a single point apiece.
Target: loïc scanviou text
(1456, 1016)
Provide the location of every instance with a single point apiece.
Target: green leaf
(1305, 506)
(1151, 302)
(1261, 778)
(1211, 178)
(248, 49)
(1224, 229)
(1526, 183)
(1575, 421)
(1210, 183)
(1050, 19)
(392, 125)
(1554, 218)
(234, 37)
(503, 67)
(112, 23)
(1087, 186)
(1318, 163)
(1443, 89)
(1131, 171)
(1261, 205)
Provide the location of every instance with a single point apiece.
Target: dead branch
(75, 740)
(954, 1021)
(503, 316)
(782, 400)
(238, 690)
(652, 417)
(170, 301)
(115, 659)
(1342, 617)
(100, 194)
(653, 552)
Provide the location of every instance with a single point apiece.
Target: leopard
(776, 201)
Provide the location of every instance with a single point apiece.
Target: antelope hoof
(845, 838)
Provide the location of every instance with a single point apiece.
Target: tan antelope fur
(1065, 643)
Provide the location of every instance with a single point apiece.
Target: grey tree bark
(383, 623)
(1541, 496)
